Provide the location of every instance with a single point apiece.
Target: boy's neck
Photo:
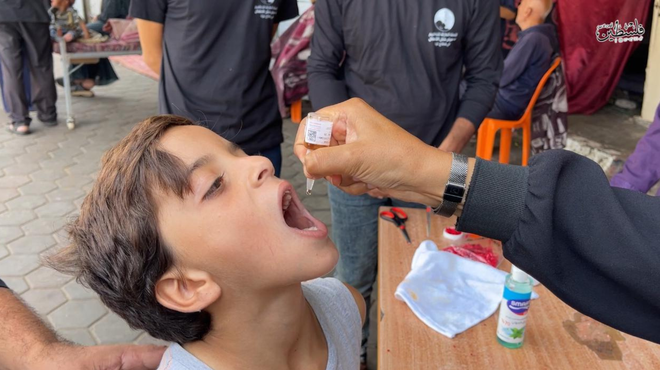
(61, 8)
(274, 331)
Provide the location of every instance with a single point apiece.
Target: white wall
(93, 8)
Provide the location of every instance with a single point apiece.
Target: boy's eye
(217, 185)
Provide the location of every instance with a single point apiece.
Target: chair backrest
(539, 87)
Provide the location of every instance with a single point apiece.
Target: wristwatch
(455, 188)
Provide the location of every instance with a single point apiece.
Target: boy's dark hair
(116, 248)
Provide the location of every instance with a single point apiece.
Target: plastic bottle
(514, 308)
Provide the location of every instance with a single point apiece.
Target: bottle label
(513, 316)
(318, 132)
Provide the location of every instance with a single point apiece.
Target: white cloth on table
(449, 293)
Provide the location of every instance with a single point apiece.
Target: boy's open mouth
(296, 216)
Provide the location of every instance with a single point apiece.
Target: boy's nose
(260, 170)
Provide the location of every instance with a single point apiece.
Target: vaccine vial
(318, 132)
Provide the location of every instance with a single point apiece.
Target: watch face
(454, 193)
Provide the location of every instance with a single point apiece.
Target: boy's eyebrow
(200, 162)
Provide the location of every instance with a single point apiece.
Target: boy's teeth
(286, 202)
(311, 228)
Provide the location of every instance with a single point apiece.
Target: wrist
(433, 175)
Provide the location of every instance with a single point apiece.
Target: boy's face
(232, 225)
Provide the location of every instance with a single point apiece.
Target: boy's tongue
(294, 213)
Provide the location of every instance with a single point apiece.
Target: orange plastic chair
(490, 126)
(296, 111)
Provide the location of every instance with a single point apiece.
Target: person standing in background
(642, 169)
(213, 60)
(24, 31)
(406, 59)
(26, 82)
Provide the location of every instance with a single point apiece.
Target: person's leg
(97, 27)
(26, 81)
(275, 156)
(11, 58)
(498, 112)
(39, 48)
(355, 233)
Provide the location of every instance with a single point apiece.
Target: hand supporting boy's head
(181, 227)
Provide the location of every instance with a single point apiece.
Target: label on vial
(513, 316)
(318, 132)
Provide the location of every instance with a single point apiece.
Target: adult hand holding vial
(318, 132)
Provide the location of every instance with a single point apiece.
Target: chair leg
(480, 140)
(488, 142)
(527, 142)
(296, 111)
(505, 145)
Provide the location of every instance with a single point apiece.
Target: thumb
(334, 160)
(142, 357)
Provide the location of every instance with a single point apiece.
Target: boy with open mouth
(191, 240)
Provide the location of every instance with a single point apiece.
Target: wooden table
(557, 337)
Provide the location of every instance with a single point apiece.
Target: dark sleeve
(288, 9)
(149, 10)
(519, 58)
(509, 4)
(596, 247)
(3, 285)
(114, 9)
(326, 86)
(483, 62)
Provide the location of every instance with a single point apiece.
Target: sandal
(19, 129)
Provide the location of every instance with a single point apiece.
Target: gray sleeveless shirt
(337, 313)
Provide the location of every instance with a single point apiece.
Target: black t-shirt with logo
(406, 59)
(215, 65)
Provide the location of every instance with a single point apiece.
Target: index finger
(299, 148)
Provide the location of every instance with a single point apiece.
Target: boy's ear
(190, 291)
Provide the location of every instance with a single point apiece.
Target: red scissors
(398, 217)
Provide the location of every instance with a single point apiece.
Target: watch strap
(455, 188)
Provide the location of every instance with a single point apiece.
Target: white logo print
(444, 20)
(266, 11)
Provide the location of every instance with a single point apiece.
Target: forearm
(84, 29)
(23, 336)
(154, 60)
(591, 245)
(460, 134)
